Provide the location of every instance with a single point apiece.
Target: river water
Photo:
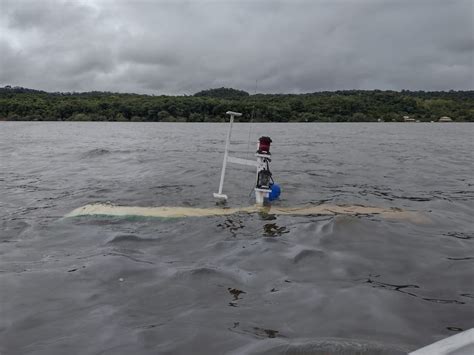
(242, 283)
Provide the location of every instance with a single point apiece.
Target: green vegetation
(20, 104)
(223, 93)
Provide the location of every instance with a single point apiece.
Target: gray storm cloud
(180, 47)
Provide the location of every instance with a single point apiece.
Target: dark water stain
(273, 230)
(232, 225)
(75, 269)
(463, 195)
(415, 198)
(460, 235)
(441, 301)
(402, 289)
(455, 329)
(236, 293)
(255, 331)
(270, 333)
(398, 288)
(462, 258)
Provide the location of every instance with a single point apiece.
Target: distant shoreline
(21, 104)
(184, 122)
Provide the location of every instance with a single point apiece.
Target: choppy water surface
(244, 283)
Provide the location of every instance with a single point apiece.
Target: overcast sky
(291, 46)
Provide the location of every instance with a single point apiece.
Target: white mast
(226, 152)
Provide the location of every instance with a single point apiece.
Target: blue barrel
(275, 193)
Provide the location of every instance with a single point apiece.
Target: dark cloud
(45, 15)
(180, 47)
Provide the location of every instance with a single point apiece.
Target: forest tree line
(21, 104)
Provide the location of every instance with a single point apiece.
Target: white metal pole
(227, 142)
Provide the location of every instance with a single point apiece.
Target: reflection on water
(273, 230)
(232, 225)
(406, 289)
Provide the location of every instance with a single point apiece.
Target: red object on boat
(264, 145)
